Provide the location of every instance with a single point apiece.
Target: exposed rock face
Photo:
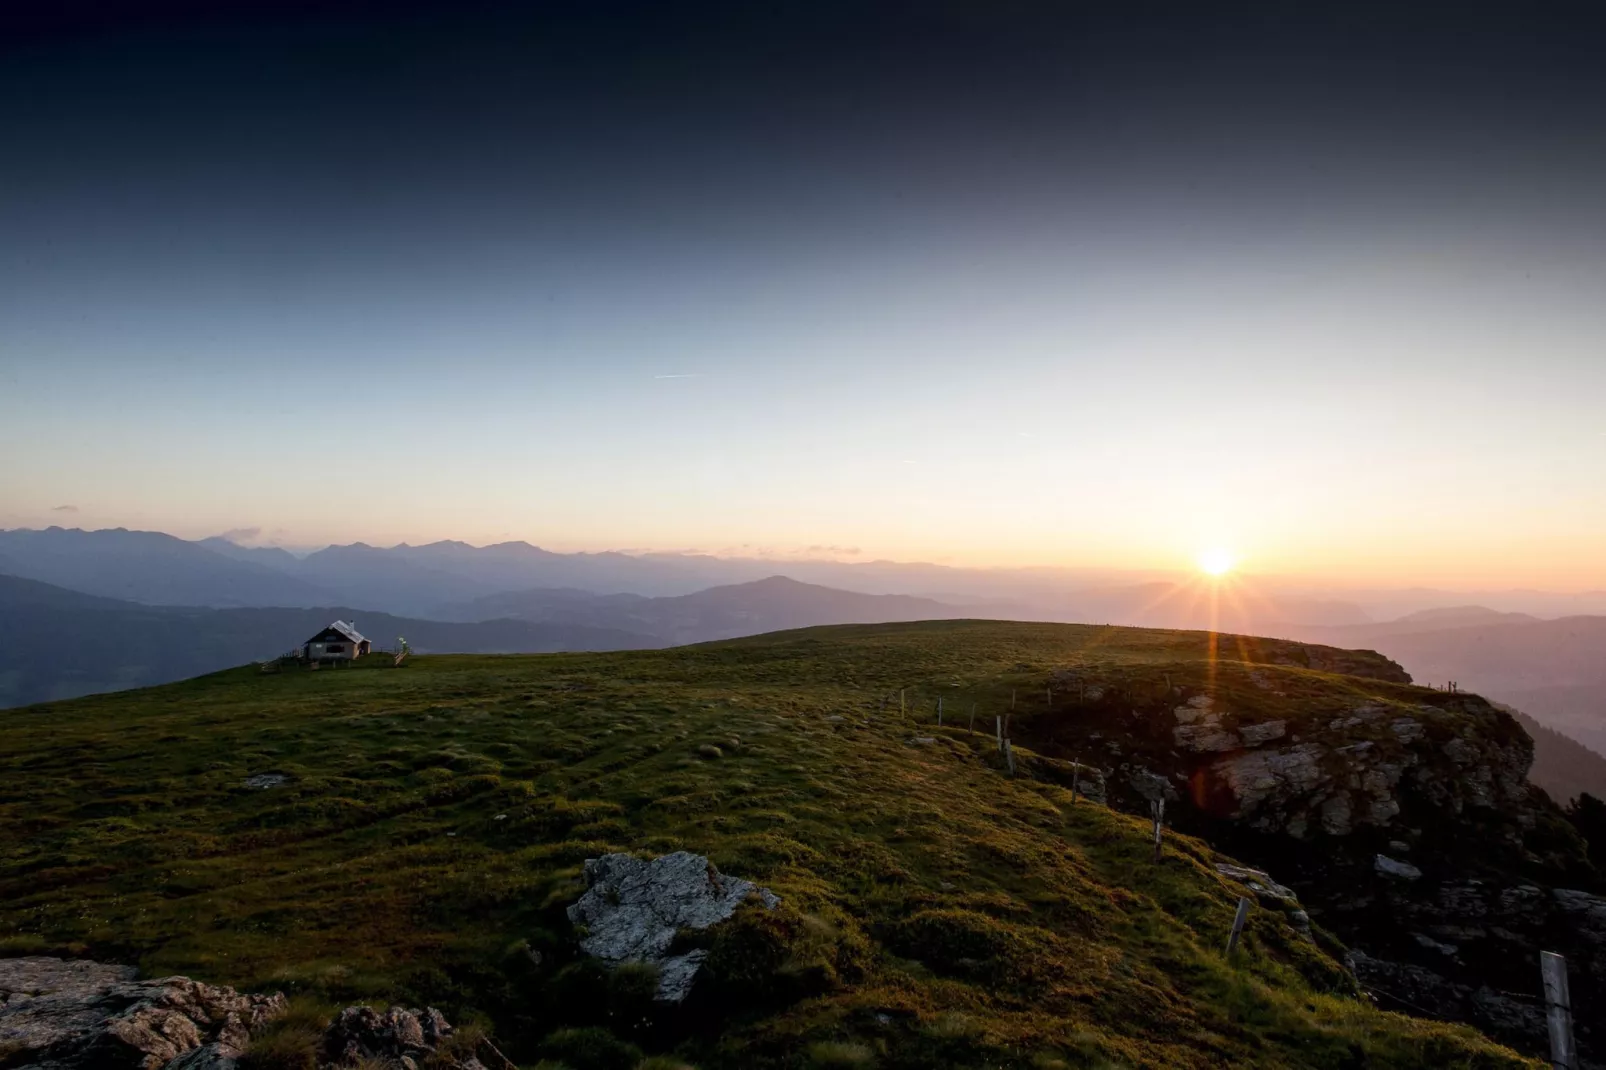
(1269, 892)
(359, 1033)
(1351, 771)
(1402, 818)
(60, 1014)
(401, 1037)
(57, 1014)
(632, 909)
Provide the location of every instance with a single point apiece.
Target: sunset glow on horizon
(1064, 316)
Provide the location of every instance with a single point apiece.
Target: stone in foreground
(59, 1014)
(362, 1036)
(632, 909)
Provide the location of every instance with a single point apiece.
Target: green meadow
(435, 817)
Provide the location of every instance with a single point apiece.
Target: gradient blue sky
(1081, 293)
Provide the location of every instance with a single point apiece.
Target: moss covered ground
(937, 912)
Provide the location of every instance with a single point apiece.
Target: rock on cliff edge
(1401, 816)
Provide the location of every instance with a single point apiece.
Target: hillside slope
(1562, 766)
(772, 604)
(434, 818)
(56, 643)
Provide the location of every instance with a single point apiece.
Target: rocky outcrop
(1270, 894)
(1401, 817)
(1467, 949)
(58, 1014)
(73, 1014)
(408, 1039)
(633, 908)
(1351, 770)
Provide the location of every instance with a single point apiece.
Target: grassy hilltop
(936, 911)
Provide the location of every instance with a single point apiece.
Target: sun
(1216, 561)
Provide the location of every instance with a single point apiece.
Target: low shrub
(591, 1049)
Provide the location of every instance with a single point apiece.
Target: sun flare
(1216, 561)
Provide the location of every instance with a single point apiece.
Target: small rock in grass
(708, 750)
(633, 908)
(1390, 867)
(263, 781)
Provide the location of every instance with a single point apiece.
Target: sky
(997, 284)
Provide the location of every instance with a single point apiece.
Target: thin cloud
(241, 534)
(843, 551)
(681, 375)
(64, 509)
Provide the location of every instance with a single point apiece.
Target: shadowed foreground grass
(936, 912)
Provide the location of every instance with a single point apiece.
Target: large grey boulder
(633, 907)
(59, 1014)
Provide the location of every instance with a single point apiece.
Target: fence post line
(1237, 925)
(939, 711)
(998, 731)
(1009, 756)
(1558, 1011)
(1157, 808)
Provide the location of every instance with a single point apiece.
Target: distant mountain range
(773, 604)
(147, 566)
(454, 580)
(1552, 670)
(56, 643)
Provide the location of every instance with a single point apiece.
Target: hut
(341, 641)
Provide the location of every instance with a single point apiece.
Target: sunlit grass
(937, 912)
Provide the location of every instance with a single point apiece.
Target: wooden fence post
(1158, 809)
(998, 731)
(939, 711)
(1009, 756)
(1237, 926)
(1559, 1011)
(1076, 777)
